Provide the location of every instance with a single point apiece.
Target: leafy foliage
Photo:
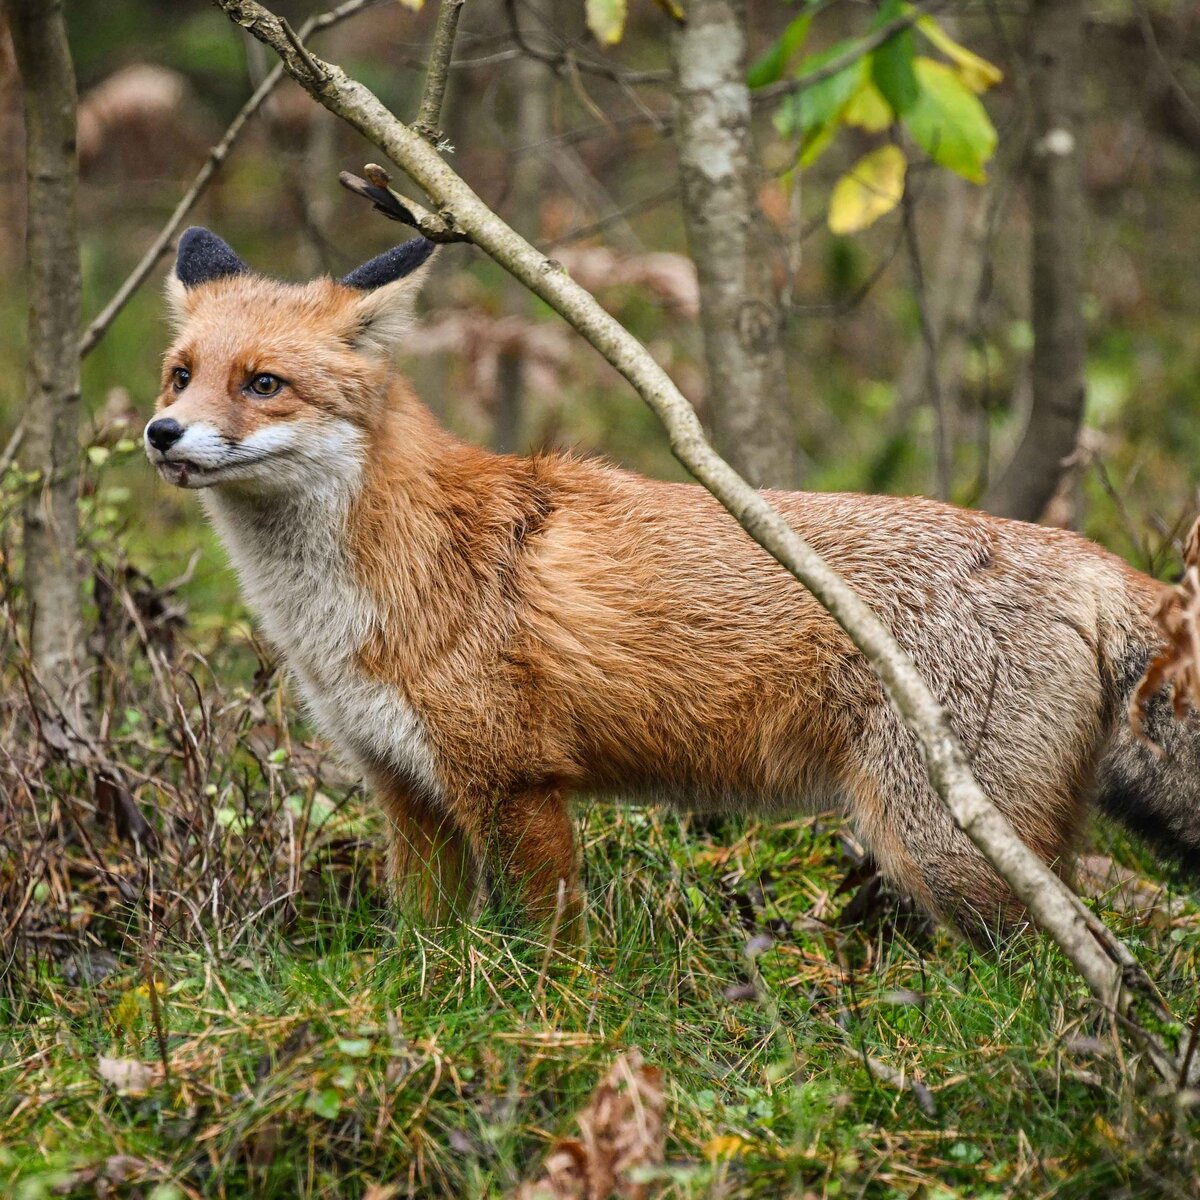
(882, 90)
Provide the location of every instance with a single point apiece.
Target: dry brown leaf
(1177, 664)
(620, 1130)
(139, 114)
(671, 277)
(128, 1075)
(380, 1191)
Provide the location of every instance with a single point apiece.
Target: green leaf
(771, 65)
(949, 123)
(606, 20)
(813, 111)
(977, 73)
(97, 455)
(892, 64)
(354, 1047)
(871, 188)
(325, 1103)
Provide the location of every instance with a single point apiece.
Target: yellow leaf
(868, 109)
(606, 20)
(725, 1147)
(871, 188)
(977, 73)
(414, 5)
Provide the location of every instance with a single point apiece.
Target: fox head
(271, 384)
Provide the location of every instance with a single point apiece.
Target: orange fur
(557, 625)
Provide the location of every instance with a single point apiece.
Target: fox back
(484, 636)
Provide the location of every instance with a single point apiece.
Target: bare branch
(1109, 969)
(429, 116)
(216, 156)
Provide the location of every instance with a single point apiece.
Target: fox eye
(265, 385)
(180, 378)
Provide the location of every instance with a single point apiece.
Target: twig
(620, 215)
(397, 207)
(216, 156)
(1160, 61)
(570, 59)
(429, 115)
(864, 46)
(315, 73)
(9, 454)
(1108, 968)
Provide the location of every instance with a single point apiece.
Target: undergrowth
(206, 992)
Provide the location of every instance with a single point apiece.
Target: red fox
(483, 635)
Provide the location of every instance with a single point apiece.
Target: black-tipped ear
(203, 257)
(388, 267)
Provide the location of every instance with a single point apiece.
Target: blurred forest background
(201, 991)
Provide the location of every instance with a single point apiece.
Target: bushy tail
(1153, 785)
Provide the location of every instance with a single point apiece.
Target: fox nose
(164, 433)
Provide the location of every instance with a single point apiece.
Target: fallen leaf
(380, 1191)
(621, 1130)
(128, 1075)
(725, 1147)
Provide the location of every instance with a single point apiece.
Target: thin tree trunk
(51, 445)
(534, 83)
(739, 311)
(1056, 283)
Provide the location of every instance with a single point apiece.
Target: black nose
(164, 433)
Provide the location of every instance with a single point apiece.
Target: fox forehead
(249, 316)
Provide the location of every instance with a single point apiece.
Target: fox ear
(390, 283)
(203, 257)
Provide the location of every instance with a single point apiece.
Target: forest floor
(206, 994)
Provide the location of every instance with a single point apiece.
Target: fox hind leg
(526, 844)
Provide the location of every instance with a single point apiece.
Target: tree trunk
(534, 83)
(748, 393)
(51, 445)
(1056, 284)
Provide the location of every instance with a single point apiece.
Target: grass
(349, 1052)
(315, 1045)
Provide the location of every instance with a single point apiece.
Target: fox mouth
(185, 473)
(179, 472)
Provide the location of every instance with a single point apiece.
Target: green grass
(356, 1051)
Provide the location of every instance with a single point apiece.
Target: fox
(485, 636)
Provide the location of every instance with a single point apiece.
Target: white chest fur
(289, 553)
